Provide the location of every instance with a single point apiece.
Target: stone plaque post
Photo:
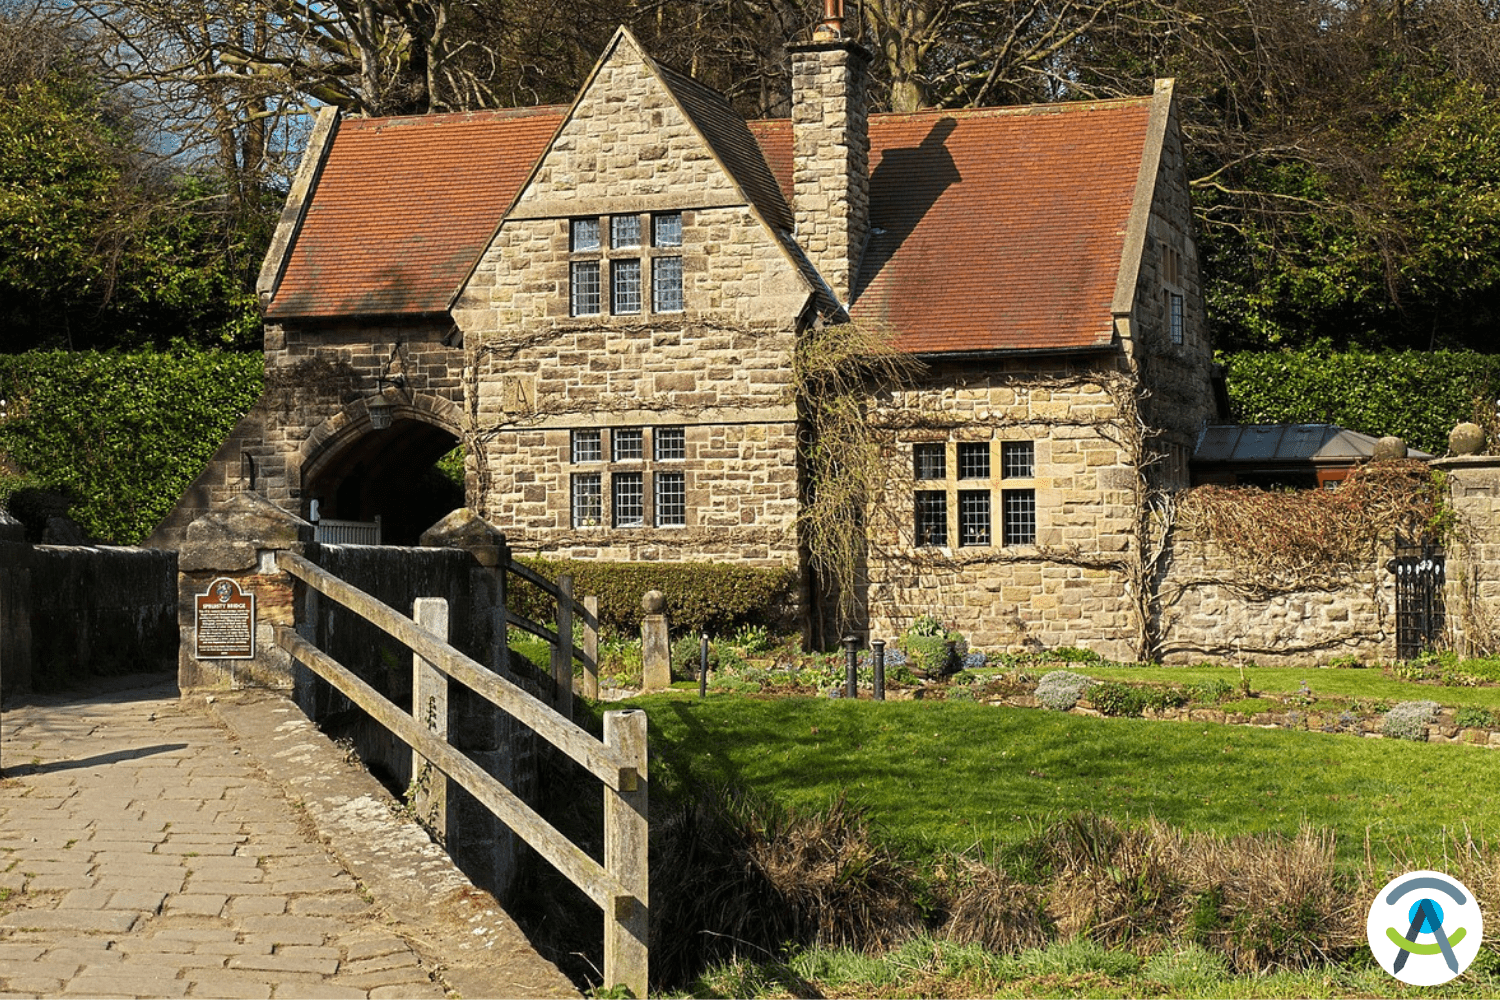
(231, 596)
(656, 648)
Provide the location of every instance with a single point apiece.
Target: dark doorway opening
(392, 474)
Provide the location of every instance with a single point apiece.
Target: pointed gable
(402, 210)
(630, 143)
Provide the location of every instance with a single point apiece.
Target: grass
(952, 775)
(1080, 968)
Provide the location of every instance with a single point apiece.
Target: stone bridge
(169, 835)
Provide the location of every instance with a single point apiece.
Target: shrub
(1072, 654)
(1409, 671)
(1115, 698)
(1061, 689)
(1160, 698)
(701, 597)
(122, 434)
(753, 639)
(1408, 720)
(926, 641)
(1473, 717)
(1418, 395)
(1471, 673)
(687, 656)
(927, 625)
(1210, 692)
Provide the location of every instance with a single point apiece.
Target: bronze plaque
(224, 622)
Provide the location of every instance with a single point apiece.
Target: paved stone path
(143, 853)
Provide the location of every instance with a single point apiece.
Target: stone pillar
(507, 750)
(239, 542)
(15, 607)
(1471, 592)
(656, 646)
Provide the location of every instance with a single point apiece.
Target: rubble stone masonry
(719, 368)
(1067, 587)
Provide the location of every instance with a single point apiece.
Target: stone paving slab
(147, 849)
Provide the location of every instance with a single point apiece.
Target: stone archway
(356, 472)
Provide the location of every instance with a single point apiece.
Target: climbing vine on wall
(1312, 538)
(833, 372)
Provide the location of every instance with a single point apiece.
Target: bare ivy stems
(835, 371)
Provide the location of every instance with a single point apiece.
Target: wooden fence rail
(619, 886)
(567, 610)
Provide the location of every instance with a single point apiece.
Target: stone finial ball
(1389, 447)
(1466, 439)
(653, 603)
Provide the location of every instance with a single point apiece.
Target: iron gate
(1418, 568)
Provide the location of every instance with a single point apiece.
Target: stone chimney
(831, 150)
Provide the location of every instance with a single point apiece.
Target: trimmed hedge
(1416, 395)
(701, 597)
(122, 435)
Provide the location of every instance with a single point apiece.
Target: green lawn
(950, 775)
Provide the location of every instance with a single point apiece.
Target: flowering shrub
(1061, 689)
(1408, 720)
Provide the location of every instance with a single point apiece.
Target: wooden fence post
(429, 708)
(562, 653)
(626, 928)
(591, 648)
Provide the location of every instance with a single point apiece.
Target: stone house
(602, 302)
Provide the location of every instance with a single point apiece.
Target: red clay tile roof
(404, 207)
(994, 229)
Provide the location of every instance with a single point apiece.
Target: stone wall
(1210, 606)
(1065, 588)
(1179, 398)
(485, 850)
(241, 541)
(70, 612)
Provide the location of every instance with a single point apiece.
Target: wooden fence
(619, 886)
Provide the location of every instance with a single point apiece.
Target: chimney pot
(832, 26)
